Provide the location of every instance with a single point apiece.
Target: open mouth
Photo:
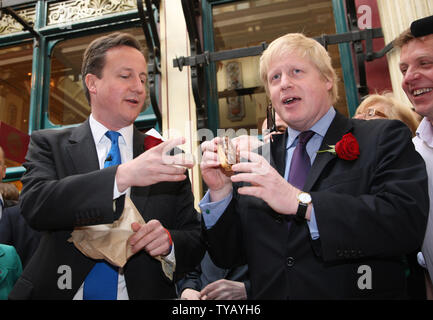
(419, 92)
(134, 101)
(290, 100)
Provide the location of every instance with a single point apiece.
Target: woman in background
(386, 106)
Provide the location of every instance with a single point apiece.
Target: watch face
(304, 197)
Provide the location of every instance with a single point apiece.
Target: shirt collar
(320, 127)
(425, 132)
(99, 130)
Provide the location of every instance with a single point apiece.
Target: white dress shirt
(423, 142)
(103, 146)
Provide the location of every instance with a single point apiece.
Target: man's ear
(329, 84)
(90, 80)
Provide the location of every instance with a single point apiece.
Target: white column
(178, 107)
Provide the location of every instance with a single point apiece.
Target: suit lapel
(138, 143)
(82, 149)
(339, 126)
(84, 157)
(139, 195)
(278, 152)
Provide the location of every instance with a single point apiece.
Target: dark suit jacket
(369, 212)
(207, 272)
(9, 203)
(15, 231)
(64, 188)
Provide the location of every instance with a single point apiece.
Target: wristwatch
(304, 199)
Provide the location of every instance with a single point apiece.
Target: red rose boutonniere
(347, 148)
(150, 142)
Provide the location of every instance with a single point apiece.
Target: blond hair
(394, 109)
(306, 48)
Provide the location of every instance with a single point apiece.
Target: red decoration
(347, 148)
(150, 142)
(14, 142)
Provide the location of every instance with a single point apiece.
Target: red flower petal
(347, 148)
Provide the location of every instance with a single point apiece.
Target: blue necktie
(101, 282)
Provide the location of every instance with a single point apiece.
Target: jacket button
(290, 261)
(279, 219)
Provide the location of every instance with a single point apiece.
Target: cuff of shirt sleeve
(171, 258)
(116, 192)
(212, 211)
(420, 259)
(312, 225)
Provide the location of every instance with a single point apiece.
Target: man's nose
(410, 75)
(137, 85)
(286, 82)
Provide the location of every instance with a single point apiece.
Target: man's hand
(190, 294)
(151, 237)
(153, 166)
(218, 183)
(224, 290)
(266, 184)
(247, 143)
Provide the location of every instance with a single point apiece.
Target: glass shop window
(15, 87)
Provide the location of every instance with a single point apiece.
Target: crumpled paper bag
(110, 241)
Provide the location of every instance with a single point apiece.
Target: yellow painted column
(178, 107)
(395, 17)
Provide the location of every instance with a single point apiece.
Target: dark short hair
(94, 56)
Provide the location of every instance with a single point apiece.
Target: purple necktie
(300, 164)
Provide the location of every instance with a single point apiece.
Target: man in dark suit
(337, 230)
(15, 231)
(208, 282)
(67, 185)
(8, 193)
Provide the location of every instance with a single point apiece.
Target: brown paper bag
(110, 241)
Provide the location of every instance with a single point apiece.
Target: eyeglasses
(371, 113)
